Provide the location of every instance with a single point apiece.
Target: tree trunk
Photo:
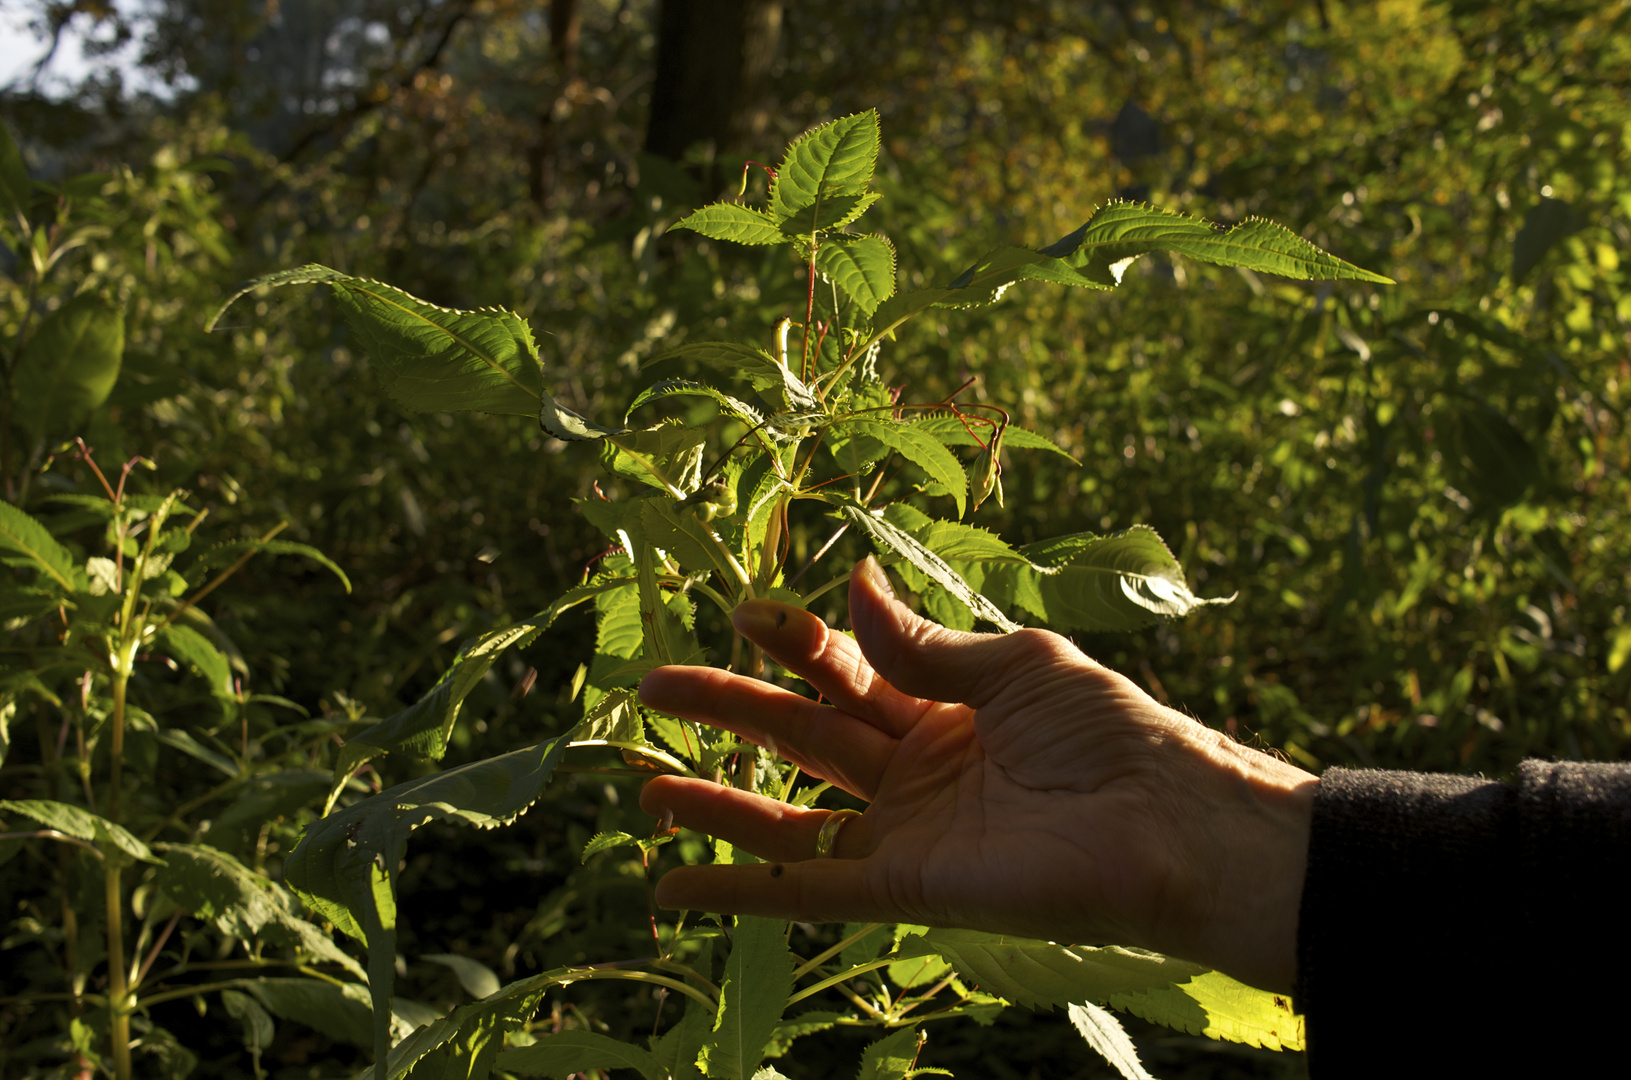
(712, 83)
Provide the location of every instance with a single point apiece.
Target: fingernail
(874, 572)
(759, 618)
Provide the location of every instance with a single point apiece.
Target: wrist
(1246, 920)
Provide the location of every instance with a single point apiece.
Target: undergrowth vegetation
(285, 593)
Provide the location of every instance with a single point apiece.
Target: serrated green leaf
(1120, 582)
(1099, 252)
(422, 729)
(836, 158)
(891, 1058)
(241, 903)
(562, 423)
(829, 212)
(228, 553)
(805, 1023)
(606, 841)
(569, 1052)
(1120, 231)
(466, 1042)
(69, 365)
(1043, 974)
(734, 222)
(758, 367)
(1218, 1007)
(21, 535)
(922, 450)
(430, 358)
(691, 388)
(1162, 989)
(863, 268)
(16, 190)
(758, 979)
(667, 457)
(891, 539)
(684, 536)
(115, 842)
(614, 720)
(954, 432)
(1105, 1034)
(345, 865)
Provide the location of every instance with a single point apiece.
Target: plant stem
(842, 976)
(810, 965)
(118, 1007)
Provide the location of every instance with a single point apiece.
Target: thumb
(926, 660)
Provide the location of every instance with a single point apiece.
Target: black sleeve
(1451, 924)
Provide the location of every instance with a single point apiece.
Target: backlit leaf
(896, 541)
(69, 366)
(1104, 1033)
(1119, 582)
(430, 358)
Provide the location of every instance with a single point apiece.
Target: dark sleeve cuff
(1441, 917)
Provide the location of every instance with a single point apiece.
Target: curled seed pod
(986, 472)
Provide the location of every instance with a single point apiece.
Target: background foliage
(1418, 491)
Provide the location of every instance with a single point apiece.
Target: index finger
(828, 660)
(823, 741)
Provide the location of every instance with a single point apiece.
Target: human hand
(1015, 786)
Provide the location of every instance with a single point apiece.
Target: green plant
(94, 643)
(701, 524)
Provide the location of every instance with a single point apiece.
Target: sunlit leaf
(1161, 989)
(836, 158)
(731, 221)
(1105, 1034)
(430, 358)
(863, 268)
